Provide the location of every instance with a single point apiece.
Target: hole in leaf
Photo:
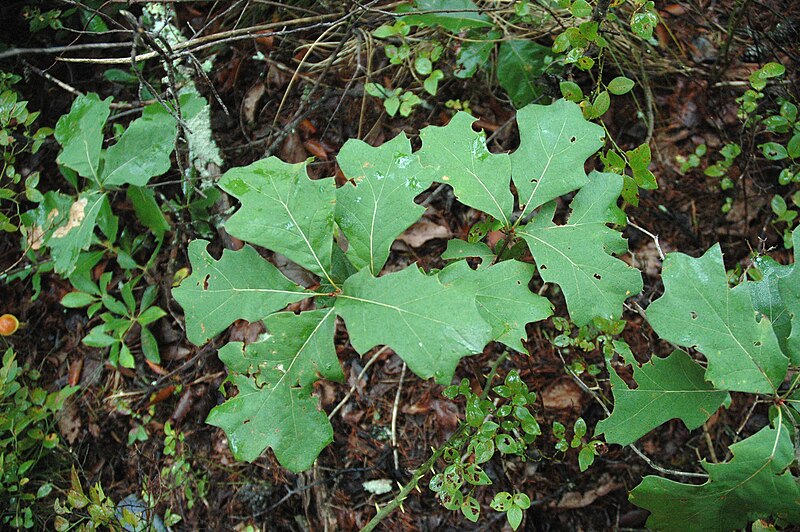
(542, 267)
(693, 314)
(534, 180)
(519, 282)
(205, 282)
(246, 421)
(757, 343)
(597, 276)
(572, 139)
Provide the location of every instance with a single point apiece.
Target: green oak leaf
(452, 15)
(578, 257)
(777, 296)
(274, 407)
(503, 297)
(143, 151)
(461, 249)
(431, 326)
(699, 310)
(80, 133)
(240, 285)
(457, 155)
(520, 65)
(555, 141)
(379, 206)
(667, 388)
(754, 482)
(284, 210)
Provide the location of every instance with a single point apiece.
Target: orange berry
(8, 324)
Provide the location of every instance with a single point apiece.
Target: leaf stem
(429, 463)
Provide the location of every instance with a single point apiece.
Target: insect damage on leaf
(76, 215)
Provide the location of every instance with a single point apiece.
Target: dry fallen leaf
(251, 100)
(573, 500)
(562, 395)
(69, 421)
(423, 231)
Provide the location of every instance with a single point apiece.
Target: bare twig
(349, 394)
(50, 50)
(394, 416)
(651, 235)
(199, 43)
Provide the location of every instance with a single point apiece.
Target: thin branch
(208, 40)
(394, 416)
(349, 394)
(651, 235)
(50, 50)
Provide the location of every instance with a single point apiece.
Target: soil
(691, 83)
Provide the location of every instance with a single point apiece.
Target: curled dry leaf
(424, 231)
(251, 100)
(573, 500)
(69, 421)
(162, 394)
(75, 368)
(315, 148)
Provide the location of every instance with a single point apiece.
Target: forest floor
(685, 96)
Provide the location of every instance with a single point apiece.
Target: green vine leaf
(452, 15)
(379, 206)
(667, 388)
(274, 407)
(457, 155)
(80, 133)
(578, 256)
(240, 285)
(520, 65)
(555, 141)
(285, 211)
(777, 296)
(698, 310)
(143, 151)
(754, 482)
(503, 297)
(431, 326)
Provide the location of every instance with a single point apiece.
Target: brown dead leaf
(74, 373)
(265, 40)
(307, 127)
(424, 231)
(446, 414)
(292, 149)
(562, 395)
(162, 394)
(251, 100)
(315, 148)
(155, 368)
(573, 500)
(69, 421)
